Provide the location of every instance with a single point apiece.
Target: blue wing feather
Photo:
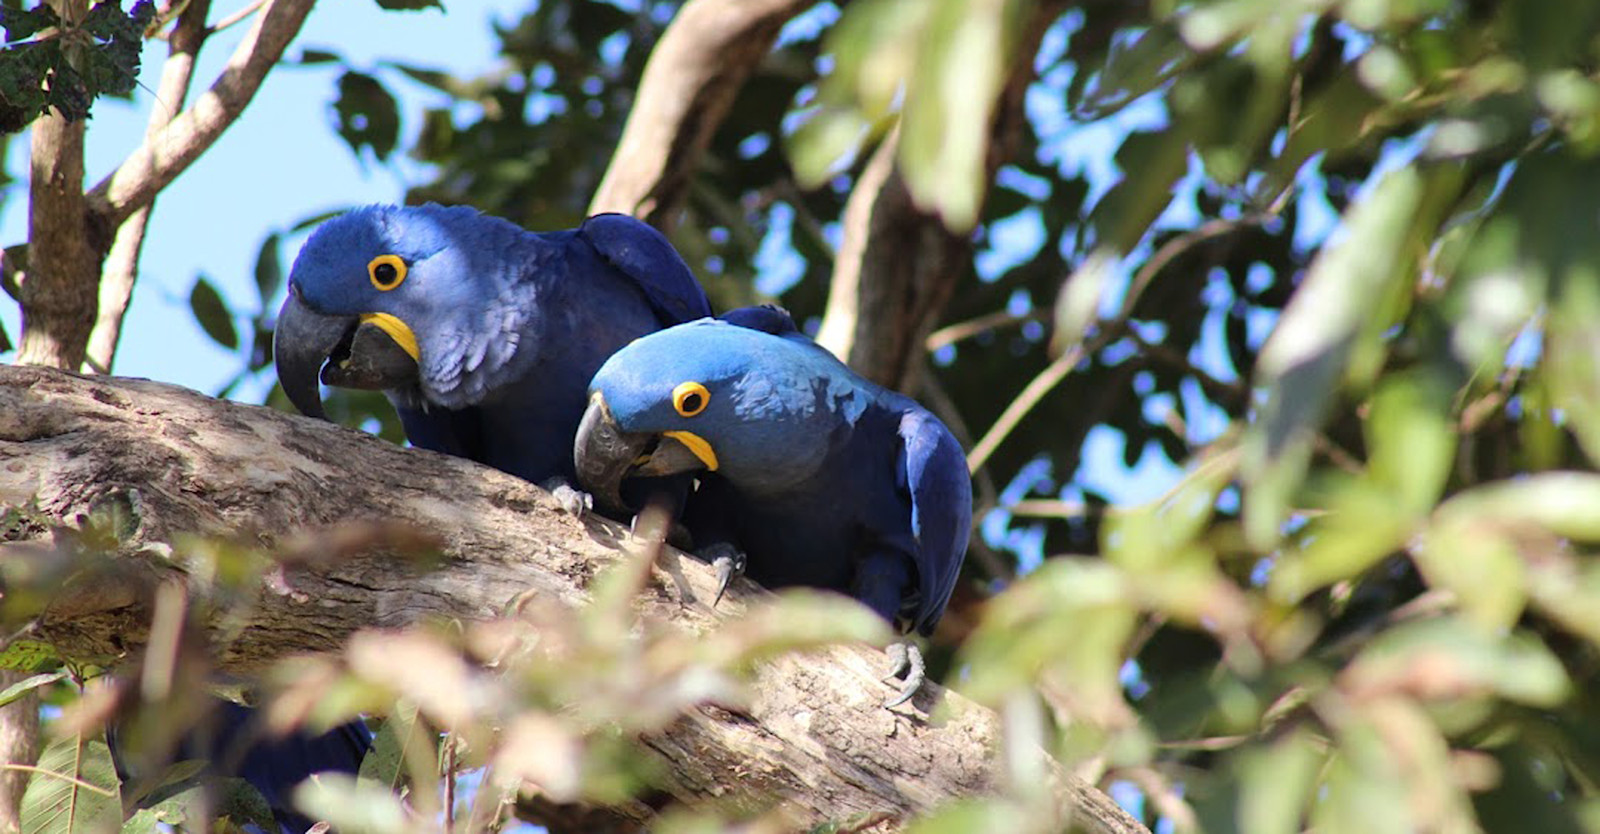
(640, 252)
(936, 477)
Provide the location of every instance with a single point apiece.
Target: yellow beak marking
(696, 444)
(397, 330)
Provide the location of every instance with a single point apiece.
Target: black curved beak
(606, 456)
(338, 350)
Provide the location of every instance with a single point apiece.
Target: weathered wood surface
(186, 463)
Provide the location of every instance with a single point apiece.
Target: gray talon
(906, 659)
(729, 562)
(573, 502)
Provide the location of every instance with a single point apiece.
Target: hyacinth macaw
(814, 475)
(235, 744)
(483, 335)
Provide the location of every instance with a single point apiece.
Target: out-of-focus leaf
(1445, 659)
(965, 52)
(1412, 438)
(1561, 503)
(1363, 787)
(821, 143)
(74, 790)
(352, 805)
(1361, 525)
(212, 313)
(1124, 214)
(1079, 301)
(1301, 364)
(368, 115)
(1137, 65)
(1278, 783)
(410, 5)
(269, 269)
(29, 684)
(310, 56)
(1481, 565)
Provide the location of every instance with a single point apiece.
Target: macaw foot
(728, 560)
(905, 659)
(574, 502)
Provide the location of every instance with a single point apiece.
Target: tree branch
(167, 153)
(814, 735)
(691, 80)
(121, 269)
(898, 265)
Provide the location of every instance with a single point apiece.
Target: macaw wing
(452, 431)
(644, 255)
(767, 318)
(935, 472)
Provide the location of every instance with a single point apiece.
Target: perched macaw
(231, 738)
(482, 334)
(815, 475)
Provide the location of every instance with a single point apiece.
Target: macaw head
(761, 410)
(377, 295)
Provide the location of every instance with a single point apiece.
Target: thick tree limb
(58, 290)
(692, 78)
(121, 269)
(167, 153)
(814, 735)
(898, 265)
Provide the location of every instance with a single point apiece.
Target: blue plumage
(508, 325)
(818, 476)
(234, 742)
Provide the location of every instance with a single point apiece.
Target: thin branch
(963, 330)
(236, 17)
(121, 268)
(162, 157)
(1057, 370)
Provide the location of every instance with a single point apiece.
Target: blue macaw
(814, 475)
(231, 738)
(482, 334)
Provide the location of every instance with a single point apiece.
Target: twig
(162, 157)
(963, 330)
(1057, 370)
(236, 17)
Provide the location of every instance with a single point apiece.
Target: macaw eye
(690, 398)
(386, 271)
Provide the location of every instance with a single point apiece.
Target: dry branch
(168, 152)
(691, 80)
(814, 735)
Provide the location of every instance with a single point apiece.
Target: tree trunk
(691, 80)
(178, 462)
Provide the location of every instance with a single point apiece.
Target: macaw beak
(347, 351)
(605, 455)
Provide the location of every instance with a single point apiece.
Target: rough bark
(121, 268)
(19, 742)
(181, 462)
(692, 78)
(58, 290)
(898, 265)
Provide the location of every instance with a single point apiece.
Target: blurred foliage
(47, 65)
(1326, 275)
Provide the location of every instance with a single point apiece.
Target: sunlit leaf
(29, 684)
(75, 790)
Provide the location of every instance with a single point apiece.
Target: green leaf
(212, 313)
(24, 23)
(1135, 67)
(310, 56)
(1306, 356)
(28, 656)
(269, 270)
(352, 805)
(1278, 782)
(368, 115)
(1446, 658)
(29, 684)
(75, 791)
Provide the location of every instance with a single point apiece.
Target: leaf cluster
(49, 64)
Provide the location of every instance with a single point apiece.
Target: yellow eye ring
(386, 271)
(690, 398)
